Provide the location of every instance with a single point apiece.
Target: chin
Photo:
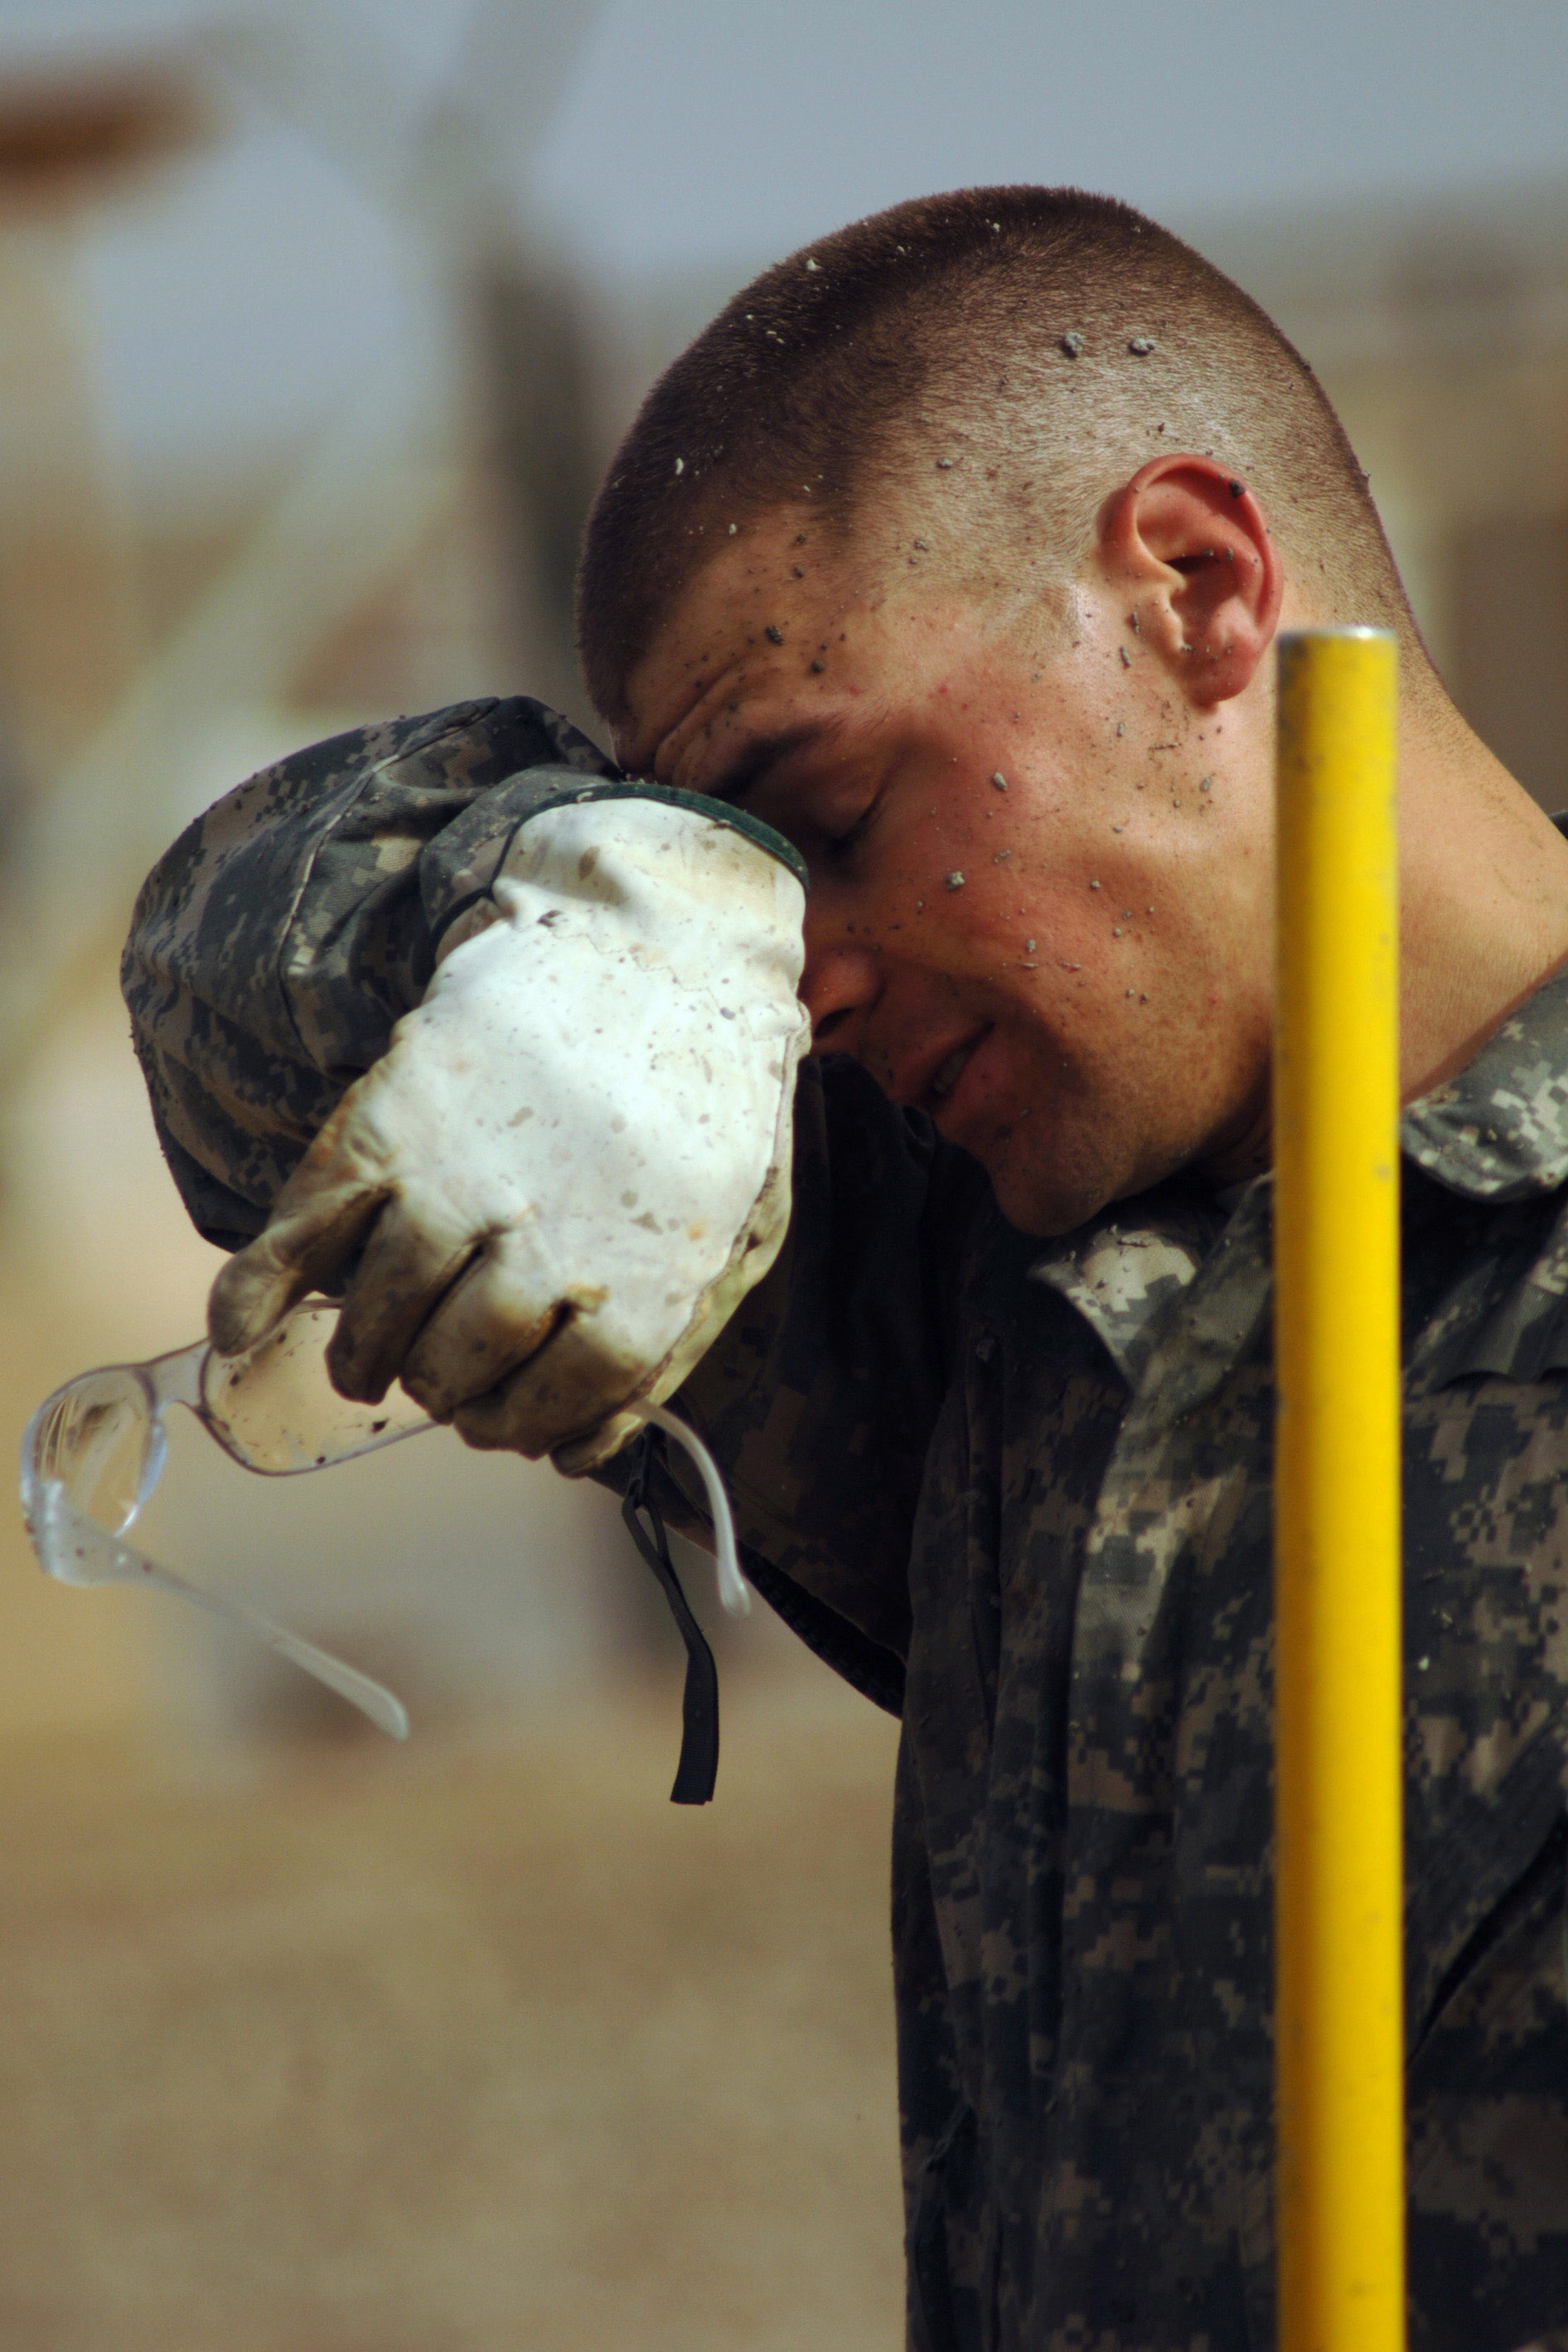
(1045, 1201)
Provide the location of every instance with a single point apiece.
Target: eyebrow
(760, 756)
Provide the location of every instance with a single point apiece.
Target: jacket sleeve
(820, 1397)
(276, 945)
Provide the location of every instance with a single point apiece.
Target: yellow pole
(1339, 1887)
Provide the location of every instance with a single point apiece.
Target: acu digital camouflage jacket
(1021, 1495)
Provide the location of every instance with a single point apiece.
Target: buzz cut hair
(1010, 355)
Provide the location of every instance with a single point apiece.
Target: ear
(1186, 543)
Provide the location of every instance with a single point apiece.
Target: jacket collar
(1495, 1132)
(1499, 1130)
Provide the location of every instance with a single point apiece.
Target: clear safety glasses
(94, 1451)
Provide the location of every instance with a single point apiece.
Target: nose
(841, 983)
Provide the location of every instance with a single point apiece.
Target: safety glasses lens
(99, 1441)
(277, 1410)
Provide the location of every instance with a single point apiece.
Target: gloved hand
(573, 1162)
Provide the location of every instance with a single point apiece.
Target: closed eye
(841, 843)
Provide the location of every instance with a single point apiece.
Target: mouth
(943, 1080)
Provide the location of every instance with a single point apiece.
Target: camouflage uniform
(1021, 1495)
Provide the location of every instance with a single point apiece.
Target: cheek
(941, 871)
(1034, 937)
(976, 858)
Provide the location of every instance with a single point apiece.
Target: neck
(1483, 889)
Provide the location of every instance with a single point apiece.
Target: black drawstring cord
(699, 1767)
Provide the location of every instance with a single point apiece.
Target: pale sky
(708, 124)
(236, 302)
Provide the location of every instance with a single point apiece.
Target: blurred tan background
(317, 322)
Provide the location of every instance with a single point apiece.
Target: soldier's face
(1040, 903)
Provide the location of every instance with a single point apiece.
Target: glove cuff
(718, 812)
(573, 792)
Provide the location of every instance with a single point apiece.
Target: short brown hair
(1036, 344)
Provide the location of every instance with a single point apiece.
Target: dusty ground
(462, 2048)
(454, 2048)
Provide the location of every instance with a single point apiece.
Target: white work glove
(573, 1162)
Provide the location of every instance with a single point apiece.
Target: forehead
(773, 612)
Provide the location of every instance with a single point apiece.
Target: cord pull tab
(697, 1771)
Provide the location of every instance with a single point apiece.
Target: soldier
(942, 574)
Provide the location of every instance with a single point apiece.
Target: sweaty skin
(1039, 833)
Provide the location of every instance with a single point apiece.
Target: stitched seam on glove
(672, 795)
